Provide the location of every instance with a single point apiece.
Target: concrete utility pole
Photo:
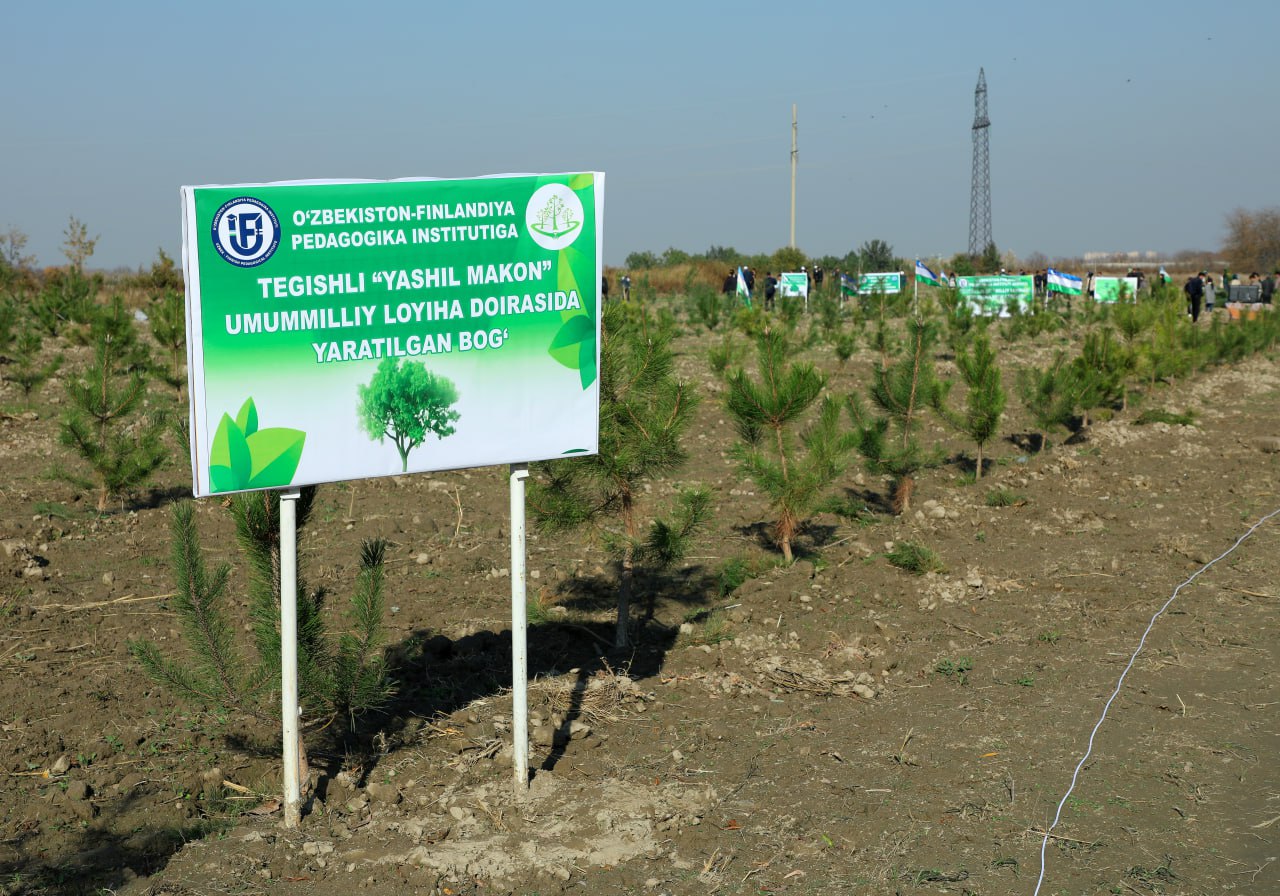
(794, 156)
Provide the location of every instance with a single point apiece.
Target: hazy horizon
(1123, 130)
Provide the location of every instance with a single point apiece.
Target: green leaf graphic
(245, 457)
(247, 419)
(580, 182)
(276, 453)
(574, 330)
(587, 362)
(229, 459)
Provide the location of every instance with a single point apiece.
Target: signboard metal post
(519, 642)
(289, 656)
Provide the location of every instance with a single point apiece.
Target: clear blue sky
(1115, 126)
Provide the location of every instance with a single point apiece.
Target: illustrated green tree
(902, 391)
(795, 470)
(555, 217)
(406, 403)
(645, 413)
(985, 402)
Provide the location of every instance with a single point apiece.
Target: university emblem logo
(246, 232)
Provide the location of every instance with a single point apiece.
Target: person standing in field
(770, 290)
(730, 285)
(1210, 293)
(604, 290)
(1194, 288)
(1268, 289)
(626, 287)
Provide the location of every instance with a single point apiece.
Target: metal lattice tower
(980, 197)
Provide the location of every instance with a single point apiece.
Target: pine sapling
(169, 329)
(8, 322)
(1052, 395)
(1101, 368)
(216, 673)
(27, 369)
(359, 680)
(844, 343)
(645, 413)
(121, 446)
(337, 680)
(902, 391)
(795, 471)
(985, 401)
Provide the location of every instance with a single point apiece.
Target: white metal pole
(795, 154)
(519, 640)
(289, 655)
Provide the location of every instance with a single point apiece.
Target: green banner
(1112, 289)
(887, 284)
(993, 294)
(342, 330)
(794, 284)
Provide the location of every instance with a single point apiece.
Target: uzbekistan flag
(1064, 283)
(742, 287)
(848, 285)
(924, 275)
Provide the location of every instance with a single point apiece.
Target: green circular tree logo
(554, 216)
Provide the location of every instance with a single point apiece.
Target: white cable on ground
(1120, 683)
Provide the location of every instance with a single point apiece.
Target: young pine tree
(1053, 394)
(27, 369)
(645, 413)
(902, 391)
(1102, 367)
(794, 470)
(8, 322)
(121, 446)
(336, 680)
(169, 329)
(984, 404)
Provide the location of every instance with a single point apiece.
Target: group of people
(815, 278)
(1201, 291)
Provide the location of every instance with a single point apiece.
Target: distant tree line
(1253, 240)
(1252, 244)
(873, 255)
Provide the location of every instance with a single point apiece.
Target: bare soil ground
(838, 726)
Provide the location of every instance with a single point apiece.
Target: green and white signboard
(348, 329)
(1111, 289)
(889, 284)
(993, 294)
(794, 284)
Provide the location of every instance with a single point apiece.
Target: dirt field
(838, 726)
